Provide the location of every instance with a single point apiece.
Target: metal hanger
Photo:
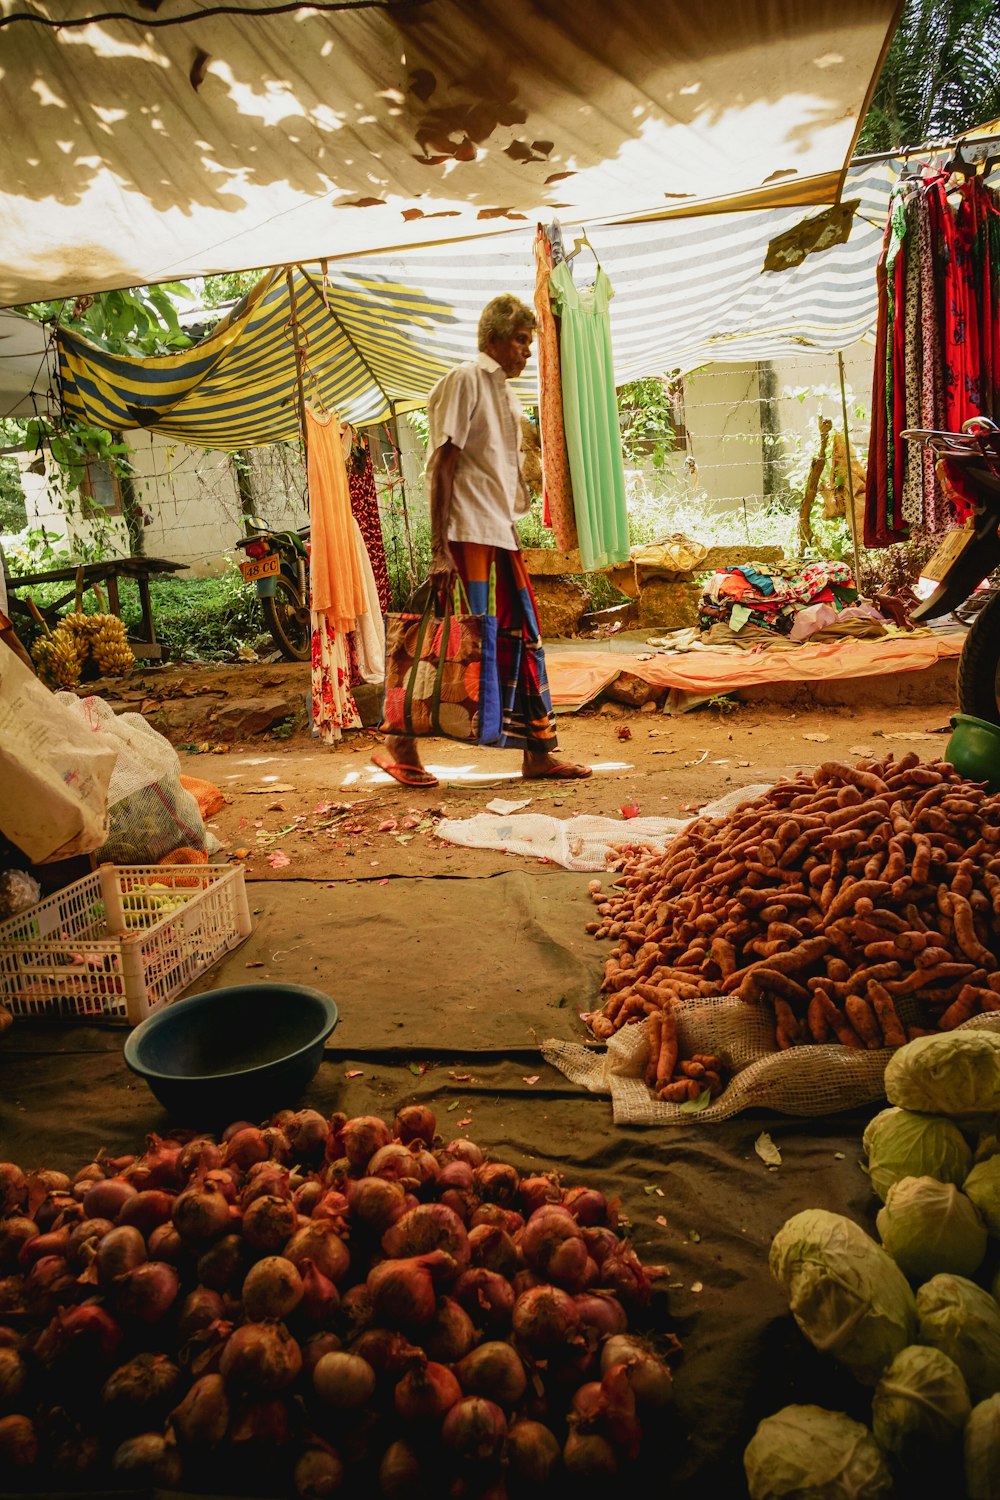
(579, 243)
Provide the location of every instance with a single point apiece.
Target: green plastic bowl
(974, 749)
(232, 1054)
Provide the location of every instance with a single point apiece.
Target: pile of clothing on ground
(750, 604)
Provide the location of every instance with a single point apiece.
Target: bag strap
(427, 617)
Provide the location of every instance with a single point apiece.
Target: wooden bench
(108, 574)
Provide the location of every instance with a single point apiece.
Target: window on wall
(100, 485)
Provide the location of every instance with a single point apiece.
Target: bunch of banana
(109, 645)
(59, 658)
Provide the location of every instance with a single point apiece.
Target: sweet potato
(683, 1091)
(667, 1062)
(816, 1020)
(884, 1007)
(838, 1022)
(654, 1031)
(862, 1017)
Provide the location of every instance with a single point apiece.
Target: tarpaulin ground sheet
(445, 997)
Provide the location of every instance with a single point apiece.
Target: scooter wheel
(979, 666)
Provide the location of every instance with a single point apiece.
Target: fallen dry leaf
(467, 1121)
(277, 860)
(820, 739)
(661, 1220)
(354, 1073)
(387, 827)
(630, 810)
(624, 732)
(240, 853)
(533, 1078)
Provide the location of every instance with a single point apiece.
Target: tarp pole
(299, 358)
(852, 520)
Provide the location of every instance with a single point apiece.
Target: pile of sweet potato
(861, 902)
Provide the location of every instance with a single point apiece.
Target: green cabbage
(963, 1321)
(811, 1454)
(982, 1451)
(929, 1226)
(983, 1186)
(951, 1073)
(921, 1400)
(874, 1123)
(847, 1295)
(900, 1143)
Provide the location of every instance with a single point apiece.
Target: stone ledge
(550, 562)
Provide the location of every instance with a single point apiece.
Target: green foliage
(13, 512)
(940, 75)
(228, 286)
(136, 320)
(646, 415)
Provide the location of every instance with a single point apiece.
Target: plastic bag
(150, 811)
(54, 778)
(672, 554)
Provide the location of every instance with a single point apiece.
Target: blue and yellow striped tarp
(379, 331)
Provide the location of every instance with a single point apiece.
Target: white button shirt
(474, 408)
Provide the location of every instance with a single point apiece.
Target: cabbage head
(922, 1400)
(982, 1451)
(959, 1318)
(953, 1073)
(900, 1143)
(982, 1185)
(874, 1123)
(929, 1226)
(848, 1296)
(812, 1454)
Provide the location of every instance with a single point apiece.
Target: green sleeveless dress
(590, 417)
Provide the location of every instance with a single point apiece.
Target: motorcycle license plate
(260, 567)
(949, 551)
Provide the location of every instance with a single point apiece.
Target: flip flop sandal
(407, 775)
(561, 772)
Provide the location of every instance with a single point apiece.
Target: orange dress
(336, 585)
(555, 461)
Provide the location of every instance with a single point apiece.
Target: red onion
(396, 1163)
(139, 1394)
(524, 1281)
(455, 1174)
(149, 1458)
(258, 1427)
(362, 1137)
(400, 1476)
(261, 1357)
(265, 1179)
(244, 1148)
(588, 1405)
(430, 1226)
(450, 1334)
(461, 1201)
(147, 1292)
(120, 1251)
(588, 1207)
(222, 1178)
(14, 1235)
(13, 1188)
(18, 1443)
(319, 1242)
(487, 1298)
(415, 1123)
(106, 1199)
(279, 1147)
(199, 1155)
(147, 1210)
(375, 1202)
(507, 1219)
(600, 1242)
(87, 1335)
(202, 1418)
(57, 1211)
(93, 1172)
(84, 1238)
(158, 1166)
(44, 1183)
(13, 1378)
(497, 1182)
(388, 1353)
(426, 1392)
(49, 1278)
(356, 1310)
(272, 1289)
(334, 1206)
(648, 1376)
(201, 1213)
(307, 1131)
(492, 1247)
(166, 1244)
(344, 1381)
(306, 1195)
(545, 1318)
(588, 1456)
(403, 1290)
(315, 1346)
(56, 1242)
(493, 1370)
(223, 1264)
(620, 1421)
(533, 1453)
(268, 1224)
(202, 1353)
(199, 1310)
(544, 1235)
(234, 1129)
(462, 1150)
(318, 1472)
(601, 1313)
(623, 1273)
(535, 1192)
(320, 1298)
(475, 1429)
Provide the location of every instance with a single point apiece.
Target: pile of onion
(310, 1305)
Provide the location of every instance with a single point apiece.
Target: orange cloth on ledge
(338, 589)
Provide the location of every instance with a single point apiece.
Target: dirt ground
(299, 810)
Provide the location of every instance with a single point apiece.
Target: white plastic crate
(121, 942)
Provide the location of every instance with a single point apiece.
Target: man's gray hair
(502, 318)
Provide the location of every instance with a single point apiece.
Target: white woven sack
(812, 1080)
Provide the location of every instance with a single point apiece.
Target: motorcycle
(277, 563)
(968, 557)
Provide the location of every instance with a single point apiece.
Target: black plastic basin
(233, 1053)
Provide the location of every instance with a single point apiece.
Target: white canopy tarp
(178, 142)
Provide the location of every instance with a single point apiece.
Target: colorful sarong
(529, 722)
